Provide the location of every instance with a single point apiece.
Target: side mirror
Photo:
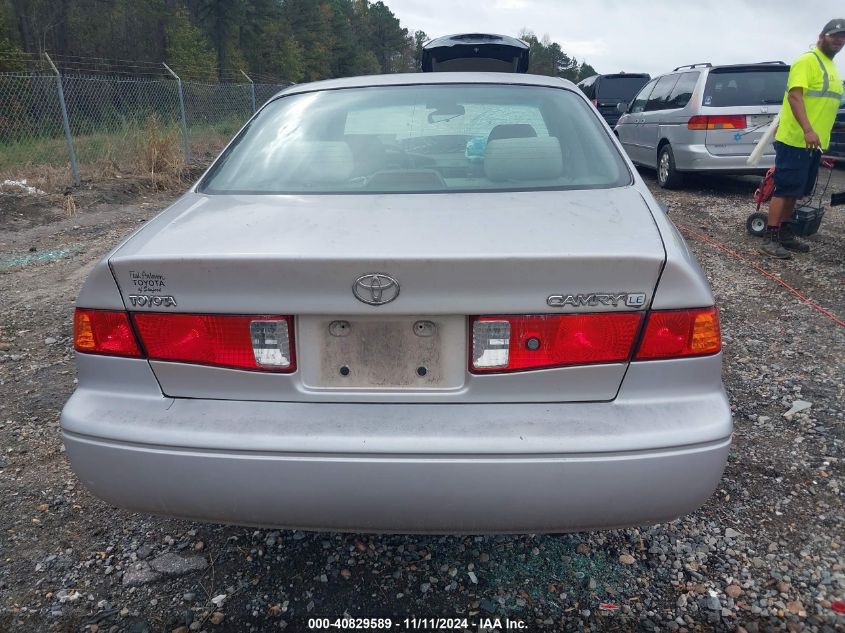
(622, 107)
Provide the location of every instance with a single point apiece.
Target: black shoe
(790, 242)
(774, 249)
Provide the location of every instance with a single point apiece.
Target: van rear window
(745, 88)
(623, 88)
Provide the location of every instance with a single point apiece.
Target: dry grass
(69, 205)
(159, 155)
(49, 178)
(147, 152)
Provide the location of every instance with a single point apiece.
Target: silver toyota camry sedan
(438, 303)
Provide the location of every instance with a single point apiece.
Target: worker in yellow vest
(814, 90)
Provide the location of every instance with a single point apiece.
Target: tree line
(215, 40)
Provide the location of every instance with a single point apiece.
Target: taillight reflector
(517, 343)
(717, 122)
(263, 343)
(679, 333)
(104, 332)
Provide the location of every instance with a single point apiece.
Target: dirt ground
(765, 553)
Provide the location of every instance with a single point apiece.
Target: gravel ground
(764, 554)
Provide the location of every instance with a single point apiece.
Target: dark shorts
(796, 169)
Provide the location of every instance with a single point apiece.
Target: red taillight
(263, 343)
(717, 122)
(515, 343)
(596, 102)
(104, 332)
(679, 333)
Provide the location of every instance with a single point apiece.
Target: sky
(651, 36)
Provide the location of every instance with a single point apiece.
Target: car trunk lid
(503, 253)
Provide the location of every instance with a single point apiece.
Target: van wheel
(667, 176)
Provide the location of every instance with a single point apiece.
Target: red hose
(830, 315)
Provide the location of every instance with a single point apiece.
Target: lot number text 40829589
(491, 625)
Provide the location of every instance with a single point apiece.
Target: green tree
(388, 40)
(548, 58)
(277, 54)
(223, 19)
(420, 38)
(310, 22)
(189, 51)
(586, 71)
(12, 58)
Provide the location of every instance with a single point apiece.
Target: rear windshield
(745, 88)
(622, 88)
(409, 139)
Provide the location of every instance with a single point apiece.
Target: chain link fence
(57, 129)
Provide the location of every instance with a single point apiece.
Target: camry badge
(593, 299)
(375, 289)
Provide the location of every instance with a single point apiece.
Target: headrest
(538, 158)
(511, 130)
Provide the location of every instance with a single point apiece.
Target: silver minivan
(703, 118)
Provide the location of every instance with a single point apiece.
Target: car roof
(625, 75)
(416, 79)
(706, 66)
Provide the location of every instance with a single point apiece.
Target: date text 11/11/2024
(488, 625)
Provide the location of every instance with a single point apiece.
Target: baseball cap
(834, 26)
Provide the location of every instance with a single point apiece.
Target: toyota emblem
(375, 289)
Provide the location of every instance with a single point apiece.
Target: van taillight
(106, 332)
(260, 343)
(717, 122)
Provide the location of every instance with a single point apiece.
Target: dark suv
(837, 136)
(606, 91)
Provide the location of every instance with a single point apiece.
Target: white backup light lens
(490, 343)
(270, 343)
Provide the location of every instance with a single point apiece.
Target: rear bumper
(403, 494)
(656, 452)
(698, 158)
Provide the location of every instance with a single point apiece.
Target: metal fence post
(252, 85)
(185, 147)
(74, 167)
